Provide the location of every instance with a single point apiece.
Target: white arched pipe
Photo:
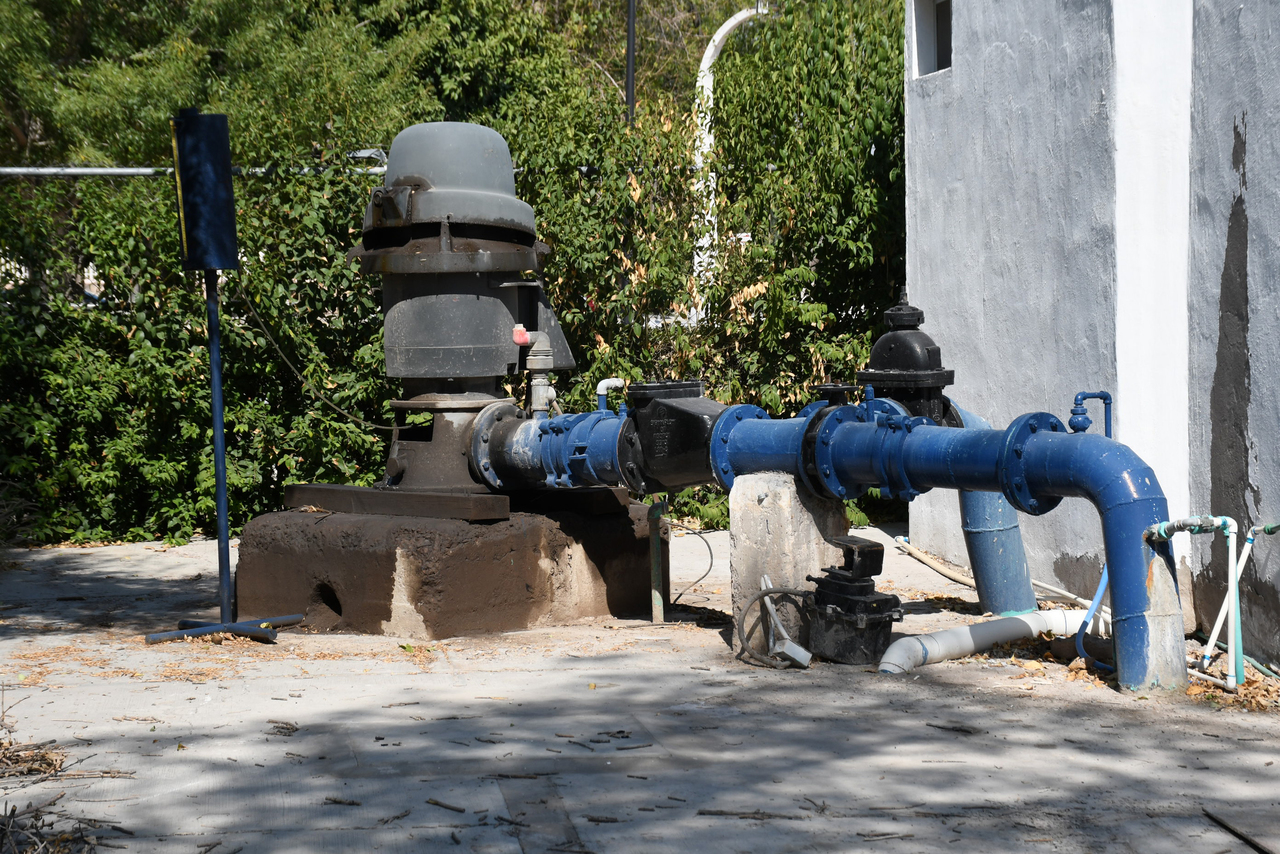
(602, 391)
(704, 253)
(906, 654)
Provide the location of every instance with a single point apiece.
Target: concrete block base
(778, 529)
(435, 578)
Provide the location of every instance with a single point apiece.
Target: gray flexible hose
(742, 619)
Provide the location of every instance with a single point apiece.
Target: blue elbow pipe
(1035, 463)
(1146, 620)
(993, 540)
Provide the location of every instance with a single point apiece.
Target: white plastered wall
(1153, 57)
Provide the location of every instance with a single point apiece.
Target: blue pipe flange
(885, 405)
(812, 409)
(812, 415)
(894, 482)
(481, 440)
(730, 418)
(824, 467)
(1012, 470)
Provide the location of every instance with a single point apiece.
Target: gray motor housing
(459, 325)
(453, 244)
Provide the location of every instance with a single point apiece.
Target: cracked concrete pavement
(606, 736)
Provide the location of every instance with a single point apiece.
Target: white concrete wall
(1153, 140)
(1234, 301)
(1011, 236)
(1093, 202)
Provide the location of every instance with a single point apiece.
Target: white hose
(906, 654)
(1057, 593)
(937, 566)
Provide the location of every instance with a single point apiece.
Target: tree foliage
(104, 402)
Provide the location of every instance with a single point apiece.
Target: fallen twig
(436, 803)
(756, 814)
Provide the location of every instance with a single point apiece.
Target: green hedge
(104, 406)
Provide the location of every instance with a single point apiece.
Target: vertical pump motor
(462, 307)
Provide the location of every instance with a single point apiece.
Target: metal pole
(658, 599)
(631, 61)
(219, 447)
(206, 206)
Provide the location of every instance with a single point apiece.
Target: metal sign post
(207, 225)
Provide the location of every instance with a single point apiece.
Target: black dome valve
(906, 365)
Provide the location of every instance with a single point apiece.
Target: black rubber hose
(711, 556)
(742, 619)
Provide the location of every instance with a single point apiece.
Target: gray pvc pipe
(906, 654)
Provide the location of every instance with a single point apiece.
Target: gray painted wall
(1010, 237)
(1234, 300)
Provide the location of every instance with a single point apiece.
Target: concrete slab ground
(606, 736)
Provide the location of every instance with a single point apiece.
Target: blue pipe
(510, 451)
(1080, 421)
(1036, 464)
(759, 443)
(994, 543)
(581, 449)
(1088, 618)
(1124, 489)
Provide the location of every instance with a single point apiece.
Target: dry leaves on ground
(1258, 693)
(32, 759)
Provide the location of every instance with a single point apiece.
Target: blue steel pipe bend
(1035, 463)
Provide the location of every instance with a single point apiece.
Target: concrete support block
(1150, 650)
(778, 528)
(435, 578)
(1186, 597)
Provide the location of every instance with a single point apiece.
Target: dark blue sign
(206, 205)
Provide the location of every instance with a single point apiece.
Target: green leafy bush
(104, 405)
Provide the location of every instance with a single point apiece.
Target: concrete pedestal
(777, 529)
(435, 578)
